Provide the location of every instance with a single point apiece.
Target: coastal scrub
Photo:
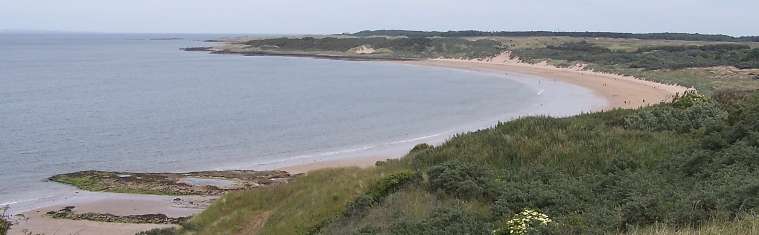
(592, 173)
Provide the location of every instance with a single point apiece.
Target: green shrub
(378, 191)
(4, 226)
(463, 180)
(558, 195)
(686, 113)
(390, 184)
(690, 99)
(444, 221)
(420, 147)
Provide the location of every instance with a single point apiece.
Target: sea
(136, 102)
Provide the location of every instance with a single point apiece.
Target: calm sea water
(71, 102)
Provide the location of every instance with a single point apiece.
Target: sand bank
(36, 222)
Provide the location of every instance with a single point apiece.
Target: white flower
(520, 223)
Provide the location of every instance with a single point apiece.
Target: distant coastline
(214, 50)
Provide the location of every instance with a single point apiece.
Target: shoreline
(213, 50)
(621, 91)
(618, 92)
(37, 222)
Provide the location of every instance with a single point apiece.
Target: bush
(390, 184)
(463, 180)
(378, 191)
(557, 196)
(444, 221)
(690, 99)
(4, 226)
(420, 147)
(687, 113)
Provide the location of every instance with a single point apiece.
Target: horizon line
(42, 31)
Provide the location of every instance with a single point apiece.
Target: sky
(732, 17)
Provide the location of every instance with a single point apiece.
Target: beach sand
(619, 92)
(36, 222)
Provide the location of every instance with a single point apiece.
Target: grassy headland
(368, 48)
(705, 62)
(474, 33)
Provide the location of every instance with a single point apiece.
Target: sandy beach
(37, 222)
(619, 92)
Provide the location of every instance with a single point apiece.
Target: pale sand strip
(619, 90)
(36, 222)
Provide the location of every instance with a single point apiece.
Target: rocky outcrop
(191, 183)
(68, 213)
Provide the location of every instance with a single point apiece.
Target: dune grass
(299, 207)
(747, 224)
(4, 226)
(406, 208)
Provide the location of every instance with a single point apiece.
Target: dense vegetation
(660, 57)
(688, 165)
(474, 33)
(395, 47)
(707, 67)
(4, 226)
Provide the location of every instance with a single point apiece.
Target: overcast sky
(734, 17)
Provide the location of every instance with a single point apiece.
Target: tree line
(475, 33)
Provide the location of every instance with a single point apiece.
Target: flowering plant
(523, 222)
